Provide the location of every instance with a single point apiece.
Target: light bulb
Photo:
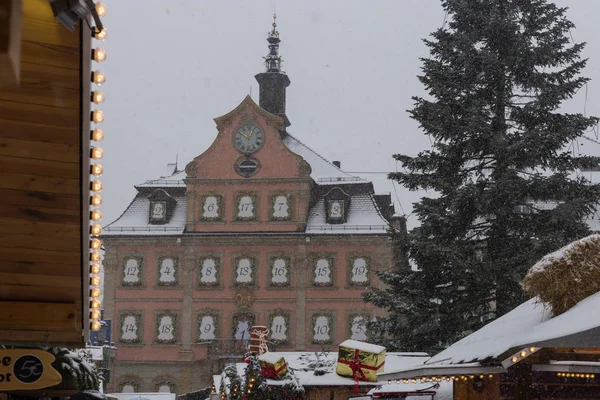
(97, 135)
(96, 170)
(98, 54)
(100, 35)
(96, 215)
(98, 77)
(96, 186)
(95, 314)
(95, 268)
(95, 244)
(523, 353)
(101, 9)
(95, 304)
(95, 292)
(96, 200)
(97, 97)
(97, 153)
(95, 230)
(95, 326)
(95, 256)
(97, 116)
(95, 281)
(531, 349)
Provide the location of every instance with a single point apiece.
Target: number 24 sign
(22, 369)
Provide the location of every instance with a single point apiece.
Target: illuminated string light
(99, 54)
(97, 135)
(98, 78)
(97, 116)
(96, 170)
(97, 97)
(97, 153)
(101, 9)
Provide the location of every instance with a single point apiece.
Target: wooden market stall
(534, 351)
(46, 161)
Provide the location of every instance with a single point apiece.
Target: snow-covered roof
(174, 180)
(363, 217)
(303, 365)
(530, 324)
(135, 219)
(445, 391)
(323, 172)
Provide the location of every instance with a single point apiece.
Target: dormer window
(161, 207)
(337, 205)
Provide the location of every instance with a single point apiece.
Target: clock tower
(273, 81)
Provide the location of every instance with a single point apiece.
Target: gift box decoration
(272, 365)
(359, 360)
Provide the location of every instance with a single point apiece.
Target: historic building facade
(258, 229)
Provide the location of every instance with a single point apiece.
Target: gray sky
(174, 65)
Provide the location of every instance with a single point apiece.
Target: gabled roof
(323, 172)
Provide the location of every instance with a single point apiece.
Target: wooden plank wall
(41, 180)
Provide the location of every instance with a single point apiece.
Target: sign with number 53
(27, 369)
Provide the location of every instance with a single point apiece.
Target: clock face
(248, 138)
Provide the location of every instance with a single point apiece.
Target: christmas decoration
(273, 366)
(360, 360)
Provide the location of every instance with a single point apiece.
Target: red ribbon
(357, 369)
(270, 372)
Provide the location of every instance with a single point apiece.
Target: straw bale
(567, 276)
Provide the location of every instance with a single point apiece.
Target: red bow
(357, 369)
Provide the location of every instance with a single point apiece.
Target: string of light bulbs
(96, 153)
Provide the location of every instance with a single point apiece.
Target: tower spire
(273, 81)
(273, 59)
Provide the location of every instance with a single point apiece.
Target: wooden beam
(29, 166)
(38, 132)
(45, 85)
(33, 200)
(43, 184)
(50, 55)
(41, 214)
(46, 115)
(40, 268)
(38, 316)
(41, 338)
(68, 259)
(39, 280)
(51, 294)
(68, 153)
(54, 243)
(11, 25)
(19, 227)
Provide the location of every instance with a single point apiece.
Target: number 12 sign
(23, 369)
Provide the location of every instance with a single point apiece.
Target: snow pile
(567, 276)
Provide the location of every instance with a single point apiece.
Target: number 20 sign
(22, 369)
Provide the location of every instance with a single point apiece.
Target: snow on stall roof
(565, 253)
(303, 365)
(270, 357)
(362, 346)
(444, 392)
(135, 219)
(363, 217)
(530, 323)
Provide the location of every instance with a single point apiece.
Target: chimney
(338, 164)
(273, 82)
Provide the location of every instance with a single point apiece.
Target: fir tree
(507, 187)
